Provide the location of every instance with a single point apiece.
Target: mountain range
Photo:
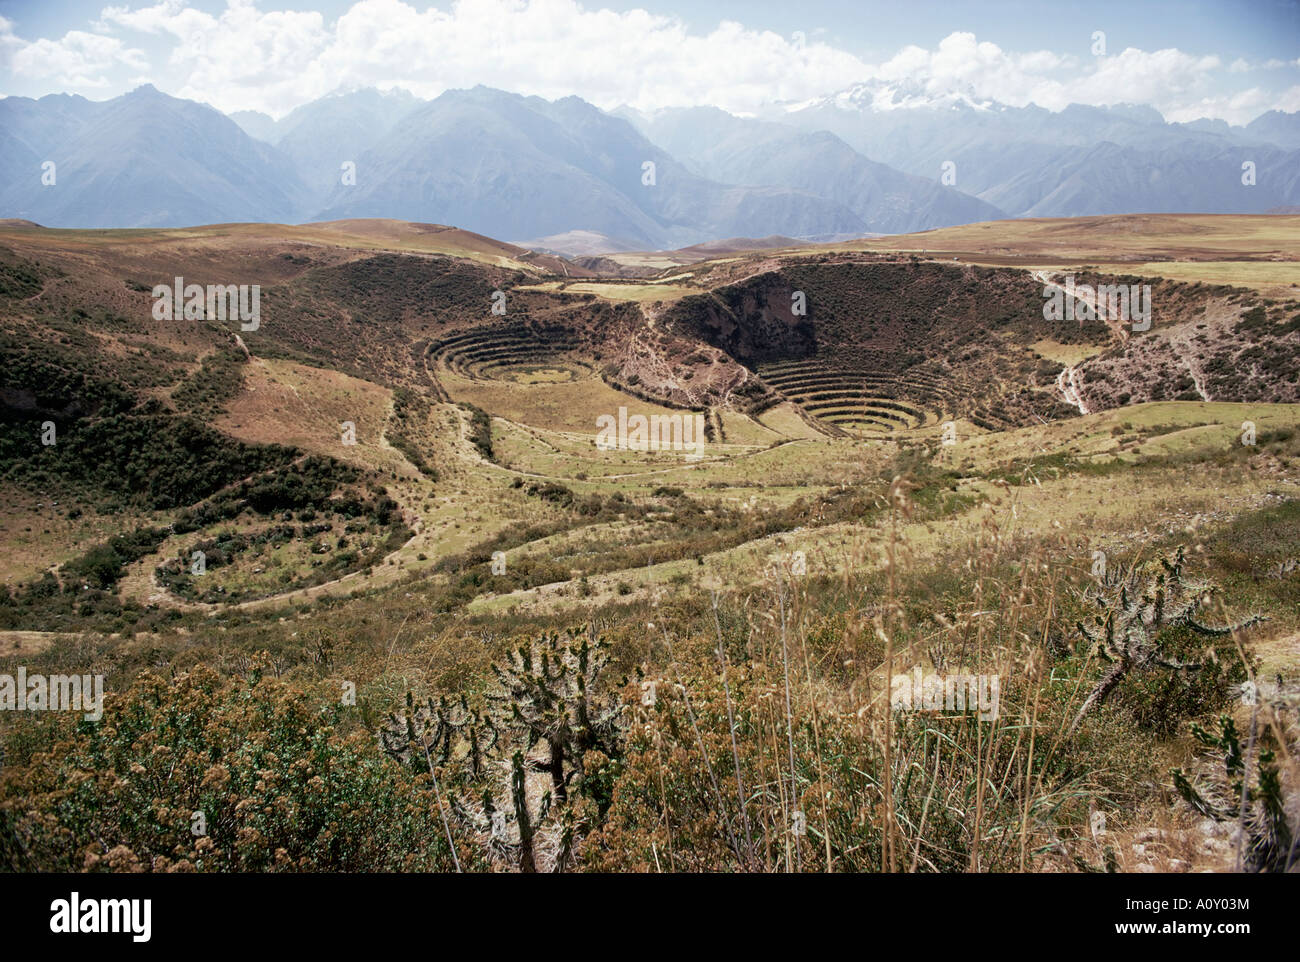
(542, 172)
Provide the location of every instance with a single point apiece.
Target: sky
(1222, 59)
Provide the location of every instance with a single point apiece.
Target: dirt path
(1067, 385)
(1115, 324)
(1067, 382)
(30, 642)
(1185, 350)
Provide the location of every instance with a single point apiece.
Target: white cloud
(76, 61)
(244, 57)
(983, 71)
(1162, 78)
(9, 44)
(1241, 65)
(1239, 108)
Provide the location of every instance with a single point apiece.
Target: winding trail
(1099, 308)
(1067, 385)
(1067, 382)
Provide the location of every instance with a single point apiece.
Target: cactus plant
(1269, 842)
(1138, 606)
(449, 730)
(548, 694)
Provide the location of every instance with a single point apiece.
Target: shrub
(278, 788)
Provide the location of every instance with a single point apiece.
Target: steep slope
(1275, 127)
(33, 132)
(321, 136)
(256, 124)
(43, 125)
(887, 343)
(741, 151)
(149, 160)
(1080, 161)
(1205, 344)
(1109, 179)
(523, 167)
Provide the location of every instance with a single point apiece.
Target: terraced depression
(522, 355)
(731, 497)
(860, 400)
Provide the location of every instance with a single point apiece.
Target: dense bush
(278, 788)
(480, 430)
(218, 379)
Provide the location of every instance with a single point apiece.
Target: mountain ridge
(508, 165)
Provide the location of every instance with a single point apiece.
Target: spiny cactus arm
(438, 730)
(1180, 613)
(482, 735)
(555, 674)
(486, 724)
(522, 818)
(1199, 802)
(1175, 567)
(1207, 739)
(1097, 638)
(466, 813)
(1203, 805)
(1137, 638)
(456, 713)
(1226, 629)
(520, 688)
(392, 740)
(1270, 793)
(1158, 598)
(1178, 665)
(1102, 689)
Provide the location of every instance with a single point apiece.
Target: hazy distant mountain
(517, 167)
(867, 160)
(1276, 127)
(144, 160)
(1109, 179)
(1082, 160)
(44, 125)
(33, 132)
(735, 150)
(256, 124)
(20, 165)
(319, 137)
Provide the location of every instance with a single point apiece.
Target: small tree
(1138, 606)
